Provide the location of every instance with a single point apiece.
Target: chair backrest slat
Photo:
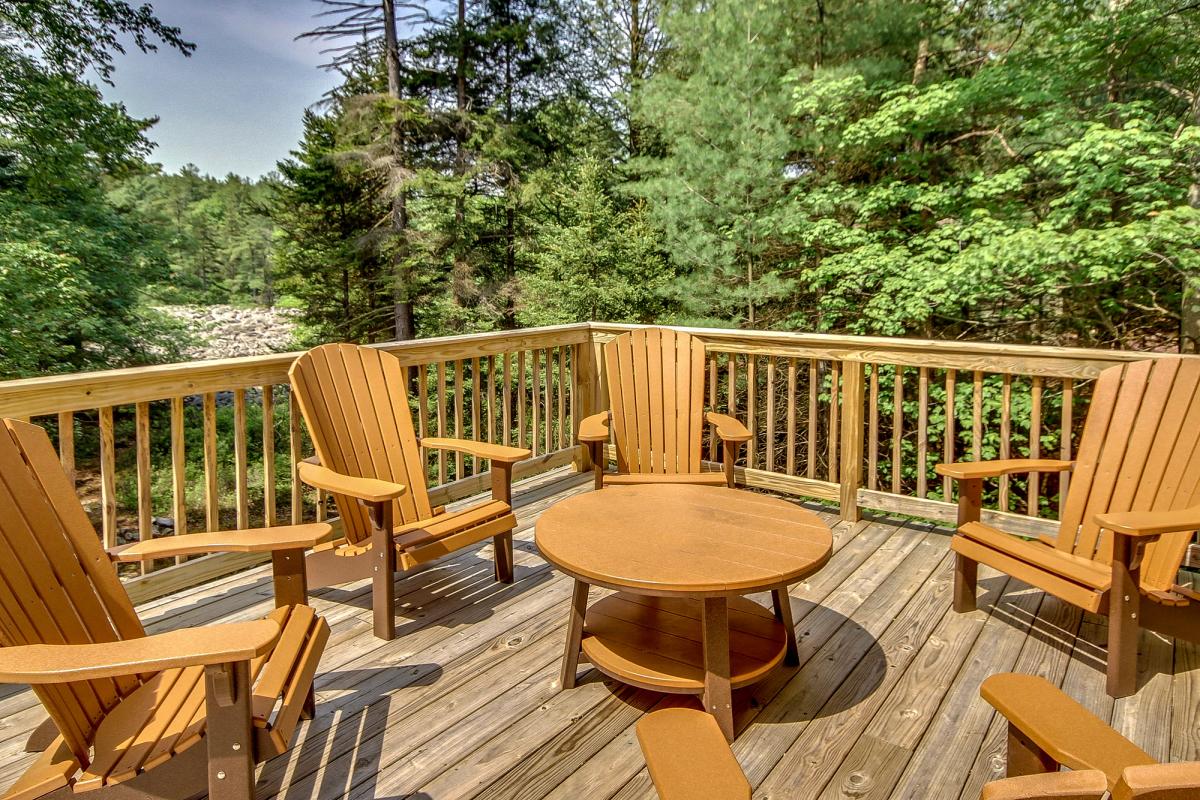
(58, 586)
(1140, 452)
(656, 394)
(355, 402)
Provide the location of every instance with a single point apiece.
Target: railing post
(585, 375)
(852, 439)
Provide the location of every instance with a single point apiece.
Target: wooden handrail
(855, 420)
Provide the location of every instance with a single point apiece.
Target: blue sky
(235, 104)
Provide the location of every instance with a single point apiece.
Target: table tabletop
(675, 539)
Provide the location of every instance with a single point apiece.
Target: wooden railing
(855, 421)
(140, 424)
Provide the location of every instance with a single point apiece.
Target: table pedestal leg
(718, 699)
(783, 612)
(570, 663)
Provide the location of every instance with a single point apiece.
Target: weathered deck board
(464, 703)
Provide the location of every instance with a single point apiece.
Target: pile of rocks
(232, 331)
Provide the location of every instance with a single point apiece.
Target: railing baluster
(1064, 451)
(897, 426)
(835, 385)
(791, 417)
(563, 388)
(752, 410)
(268, 455)
(923, 432)
(1005, 436)
(1035, 444)
(295, 439)
(441, 419)
(178, 469)
(491, 398)
(873, 430)
(769, 452)
(948, 439)
(108, 478)
(535, 401)
(548, 398)
(521, 398)
(977, 417)
(810, 466)
(145, 508)
(241, 487)
(458, 399)
(712, 402)
(506, 426)
(476, 397)
(212, 508)
(66, 444)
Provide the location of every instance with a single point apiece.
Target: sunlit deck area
(465, 701)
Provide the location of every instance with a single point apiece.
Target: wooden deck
(465, 702)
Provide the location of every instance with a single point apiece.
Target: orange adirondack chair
(1132, 507)
(170, 715)
(355, 403)
(656, 390)
(1047, 729)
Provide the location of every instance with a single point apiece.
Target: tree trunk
(1189, 329)
(403, 323)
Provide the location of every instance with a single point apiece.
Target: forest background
(1006, 171)
(997, 170)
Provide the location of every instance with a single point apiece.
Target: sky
(235, 105)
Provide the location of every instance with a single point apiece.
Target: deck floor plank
(465, 702)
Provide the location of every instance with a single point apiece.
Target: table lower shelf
(655, 642)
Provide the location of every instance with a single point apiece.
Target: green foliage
(72, 263)
(596, 261)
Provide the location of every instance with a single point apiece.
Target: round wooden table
(680, 558)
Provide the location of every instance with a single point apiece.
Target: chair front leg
(383, 574)
(1124, 617)
(966, 571)
(729, 453)
(289, 577)
(230, 750)
(502, 491)
(598, 462)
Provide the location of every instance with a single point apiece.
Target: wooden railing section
(513, 387)
(856, 421)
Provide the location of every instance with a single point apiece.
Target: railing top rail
(1045, 361)
(86, 390)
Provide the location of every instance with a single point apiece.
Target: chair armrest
(214, 644)
(1068, 732)
(369, 490)
(1150, 523)
(595, 427)
(492, 452)
(969, 470)
(688, 757)
(1180, 780)
(255, 540)
(1088, 784)
(728, 428)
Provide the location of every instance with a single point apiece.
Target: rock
(234, 331)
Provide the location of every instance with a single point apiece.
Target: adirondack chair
(688, 759)
(169, 715)
(656, 390)
(1047, 729)
(355, 403)
(1132, 507)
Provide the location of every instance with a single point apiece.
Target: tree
(71, 262)
(595, 261)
